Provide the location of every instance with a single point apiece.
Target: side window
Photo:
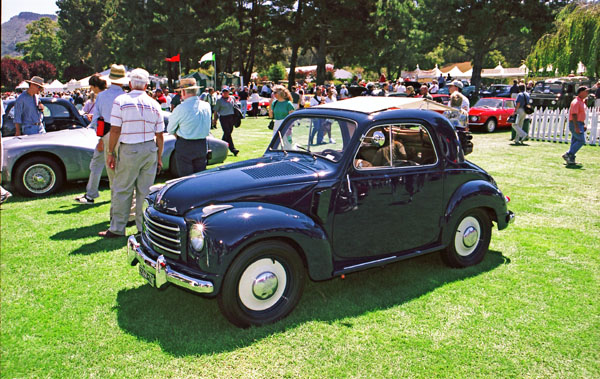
(509, 104)
(388, 146)
(56, 110)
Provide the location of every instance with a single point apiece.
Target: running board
(384, 261)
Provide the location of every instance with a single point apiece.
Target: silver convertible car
(38, 165)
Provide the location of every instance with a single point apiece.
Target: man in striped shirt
(137, 124)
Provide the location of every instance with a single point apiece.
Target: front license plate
(147, 275)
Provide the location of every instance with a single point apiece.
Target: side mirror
(378, 138)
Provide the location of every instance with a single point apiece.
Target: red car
(441, 98)
(491, 112)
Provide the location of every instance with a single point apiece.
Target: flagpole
(215, 70)
(179, 69)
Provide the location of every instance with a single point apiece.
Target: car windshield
(319, 136)
(489, 103)
(547, 87)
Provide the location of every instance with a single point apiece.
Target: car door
(508, 108)
(389, 205)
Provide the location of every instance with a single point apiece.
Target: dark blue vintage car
(342, 187)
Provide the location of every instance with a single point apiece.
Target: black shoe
(130, 223)
(235, 152)
(84, 199)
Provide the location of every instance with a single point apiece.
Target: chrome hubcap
(467, 235)
(265, 285)
(262, 284)
(39, 178)
(470, 236)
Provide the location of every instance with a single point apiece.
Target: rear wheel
(490, 125)
(262, 285)
(38, 176)
(470, 240)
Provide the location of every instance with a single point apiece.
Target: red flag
(174, 58)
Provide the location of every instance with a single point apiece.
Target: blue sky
(12, 8)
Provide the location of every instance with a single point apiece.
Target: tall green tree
(81, 23)
(575, 38)
(486, 25)
(43, 43)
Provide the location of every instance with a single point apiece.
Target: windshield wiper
(281, 142)
(308, 151)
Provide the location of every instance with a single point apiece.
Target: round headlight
(553, 102)
(474, 118)
(197, 236)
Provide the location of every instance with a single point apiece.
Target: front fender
(229, 232)
(471, 195)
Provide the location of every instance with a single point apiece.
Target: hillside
(14, 31)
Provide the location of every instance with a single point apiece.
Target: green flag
(210, 56)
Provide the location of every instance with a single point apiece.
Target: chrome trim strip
(370, 262)
(175, 229)
(162, 236)
(166, 274)
(162, 247)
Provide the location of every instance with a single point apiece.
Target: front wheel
(263, 284)
(490, 125)
(470, 241)
(38, 176)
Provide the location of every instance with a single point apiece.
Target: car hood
(277, 181)
(83, 137)
(476, 111)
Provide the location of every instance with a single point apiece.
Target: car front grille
(162, 235)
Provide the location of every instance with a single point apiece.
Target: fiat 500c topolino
(342, 187)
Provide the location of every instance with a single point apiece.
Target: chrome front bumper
(162, 272)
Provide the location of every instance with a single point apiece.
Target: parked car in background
(557, 92)
(441, 98)
(467, 91)
(390, 183)
(263, 107)
(496, 90)
(491, 113)
(59, 114)
(39, 164)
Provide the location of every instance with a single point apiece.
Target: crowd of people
(193, 115)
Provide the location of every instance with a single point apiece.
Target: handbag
(272, 123)
(528, 109)
(512, 118)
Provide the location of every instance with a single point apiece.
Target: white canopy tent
(55, 86)
(342, 74)
(72, 85)
(23, 85)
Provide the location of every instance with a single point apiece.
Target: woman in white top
(254, 99)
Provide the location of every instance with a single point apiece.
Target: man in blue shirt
(190, 123)
(29, 110)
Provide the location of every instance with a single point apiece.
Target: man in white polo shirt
(137, 124)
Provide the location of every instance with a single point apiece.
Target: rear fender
(229, 232)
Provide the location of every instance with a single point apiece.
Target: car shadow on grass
(185, 324)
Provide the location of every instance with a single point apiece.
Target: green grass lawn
(71, 307)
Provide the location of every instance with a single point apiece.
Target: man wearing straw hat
(116, 79)
(29, 110)
(190, 123)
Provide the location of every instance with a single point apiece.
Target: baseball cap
(457, 83)
(581, 89)
(139, 75)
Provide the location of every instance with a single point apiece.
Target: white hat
(139, 75)
(457, 83)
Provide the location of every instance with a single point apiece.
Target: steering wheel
(337, 154)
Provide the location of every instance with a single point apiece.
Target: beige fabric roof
(371, 104)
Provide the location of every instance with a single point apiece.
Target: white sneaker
(4, 195)
(331, 140)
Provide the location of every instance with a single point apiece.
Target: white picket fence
(553, 125)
